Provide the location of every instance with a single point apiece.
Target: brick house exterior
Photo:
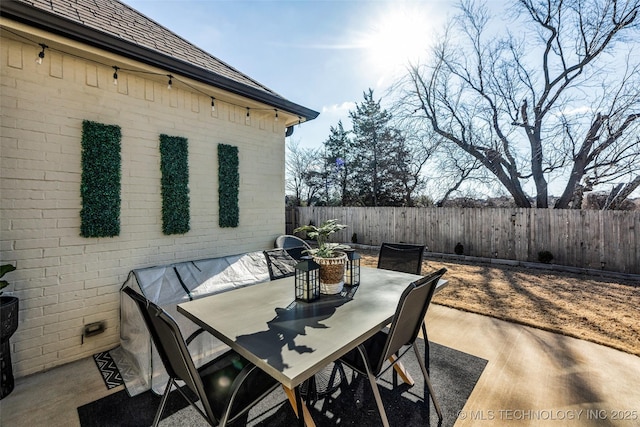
(65, 281)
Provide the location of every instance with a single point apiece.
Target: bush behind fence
(607, 240)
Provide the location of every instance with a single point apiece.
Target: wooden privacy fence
(607, 240)
(291, 219)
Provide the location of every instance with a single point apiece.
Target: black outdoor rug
(453, 375)
(108, 369)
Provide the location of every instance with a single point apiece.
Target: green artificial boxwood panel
(228, 185)
(100, 182)
(174, 166)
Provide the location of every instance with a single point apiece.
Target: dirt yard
(604, 311)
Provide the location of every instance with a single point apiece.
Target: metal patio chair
(227, 387)
(294, 245)
(402, 257)
(280, 263)
(370, 357)
(406, 258)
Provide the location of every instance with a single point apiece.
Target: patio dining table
(293, 340)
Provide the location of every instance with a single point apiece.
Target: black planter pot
(8, 325)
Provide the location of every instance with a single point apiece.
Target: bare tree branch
(510, 102)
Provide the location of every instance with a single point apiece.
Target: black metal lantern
(307, 280)
(352, 272)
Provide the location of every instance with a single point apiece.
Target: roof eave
(58, 25)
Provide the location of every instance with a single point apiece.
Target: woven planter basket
(332, 273)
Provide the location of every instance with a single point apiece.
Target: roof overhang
(38, 18)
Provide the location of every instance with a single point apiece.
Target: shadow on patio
(532, 378)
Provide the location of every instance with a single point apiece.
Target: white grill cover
(167, 286)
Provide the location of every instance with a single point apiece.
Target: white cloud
(339, 109)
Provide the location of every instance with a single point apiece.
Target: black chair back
(227, 386)
(171, 347)
(409, 316)
(402, 257)
(294, 245)
(280, 263)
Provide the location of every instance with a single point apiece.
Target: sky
(322, 54)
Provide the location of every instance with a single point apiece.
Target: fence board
(607, 240)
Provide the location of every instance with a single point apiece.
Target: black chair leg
(427, 380)
(163, 402)
(426, 345)
(299, 405)
(337, 374)
(394, 375)
(374, 387)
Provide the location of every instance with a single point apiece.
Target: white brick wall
(65, 281)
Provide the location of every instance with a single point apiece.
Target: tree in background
(454, 170)
(542, 103)
(371, 165)
(413, 151)
(339, 156)
(381, 158)
(304, 171)
(438, 168)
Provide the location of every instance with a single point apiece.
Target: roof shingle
(118, 19)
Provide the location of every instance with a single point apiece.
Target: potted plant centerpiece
(329, 256)
(8, 325)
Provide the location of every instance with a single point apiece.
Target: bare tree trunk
(623, 194)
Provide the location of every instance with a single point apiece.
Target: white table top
(293, 340)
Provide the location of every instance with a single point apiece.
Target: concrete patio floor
(532, 378)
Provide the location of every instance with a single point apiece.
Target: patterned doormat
(108, 369)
